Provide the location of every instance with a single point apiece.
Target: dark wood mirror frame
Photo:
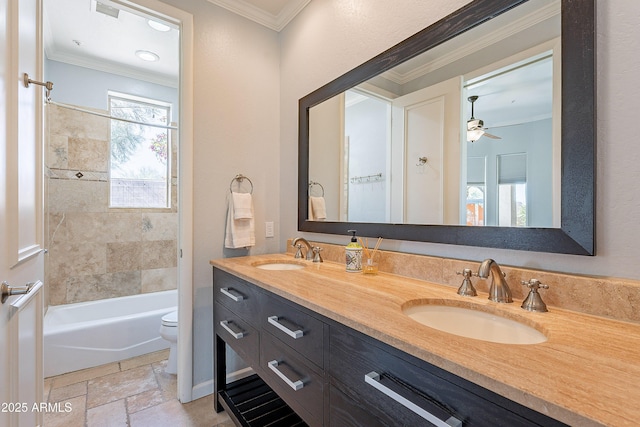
(577, 232)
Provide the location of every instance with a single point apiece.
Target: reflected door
(426, 131)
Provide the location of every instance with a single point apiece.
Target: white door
(426, 125)
(21, 216)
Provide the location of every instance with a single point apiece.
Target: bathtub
(87, 334)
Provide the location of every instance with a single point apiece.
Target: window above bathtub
(140, 147)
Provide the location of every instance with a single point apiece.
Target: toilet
(169, 331)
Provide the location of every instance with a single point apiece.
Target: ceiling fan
(475, 127)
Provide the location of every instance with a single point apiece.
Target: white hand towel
(240, 233)
(318, 208)
(242, 205)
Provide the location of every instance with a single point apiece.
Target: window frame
(155, 103)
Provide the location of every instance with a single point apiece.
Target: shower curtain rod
(108, 116)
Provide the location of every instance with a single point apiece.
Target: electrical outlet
(268, 227)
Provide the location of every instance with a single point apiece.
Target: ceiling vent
(105, 9)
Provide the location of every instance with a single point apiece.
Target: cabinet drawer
(349, 411)
(237, 295)
(407, 391)
(293, 379)
(295, 328)
(237, 333)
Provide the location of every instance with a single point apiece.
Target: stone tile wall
(96, 252)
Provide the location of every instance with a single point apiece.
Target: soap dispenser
(354, 254)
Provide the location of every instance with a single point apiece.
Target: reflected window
(512, 190)
(475, 204)
(476, 195)
(140, 152)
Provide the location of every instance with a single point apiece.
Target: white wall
(367, 129)
(236, 130)
(330, 37)
(88, 88)
(328, 125)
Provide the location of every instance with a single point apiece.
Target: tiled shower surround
(98, 252)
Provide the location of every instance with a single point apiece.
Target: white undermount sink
(472, 322)
(279, 265)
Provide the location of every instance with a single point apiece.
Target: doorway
(97, 250)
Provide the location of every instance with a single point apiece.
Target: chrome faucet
(308, 253)
(499, 290)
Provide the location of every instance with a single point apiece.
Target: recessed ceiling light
(145, 55)
(158, 25)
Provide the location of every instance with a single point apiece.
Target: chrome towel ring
(239, 179)
(314, 183)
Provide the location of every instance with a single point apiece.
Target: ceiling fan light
(473, 124)
(474, 135)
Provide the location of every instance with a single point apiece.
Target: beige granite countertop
(587, 372)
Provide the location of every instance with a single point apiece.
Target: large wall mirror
(479, 130)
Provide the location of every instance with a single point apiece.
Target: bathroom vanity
(337, 349)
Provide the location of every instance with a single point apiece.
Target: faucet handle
(298, 252)
(534, 284)
(533, 301)
(466, 288)
(467, 273)
(316, 254)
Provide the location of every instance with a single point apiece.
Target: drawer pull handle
(373, 379)
(296, 385)
(236, 298)
(225, 325)
(293, 334)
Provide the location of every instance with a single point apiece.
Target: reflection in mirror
(444, 66)
(512, 153)
(395, 149)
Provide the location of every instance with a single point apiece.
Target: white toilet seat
(170, 319)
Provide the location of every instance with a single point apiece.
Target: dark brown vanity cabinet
(283, 343)
(291, 376)
(332, 375)
(296, 328)
(373, 384)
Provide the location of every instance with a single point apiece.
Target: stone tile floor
(132, 393)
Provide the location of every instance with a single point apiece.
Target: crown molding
(501, 34)
(254, 13)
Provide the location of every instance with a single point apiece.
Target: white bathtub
(87, 334)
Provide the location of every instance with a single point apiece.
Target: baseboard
(206, 388)
(202, 390)
(239, 374)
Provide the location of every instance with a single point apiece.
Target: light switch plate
(268, 227)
